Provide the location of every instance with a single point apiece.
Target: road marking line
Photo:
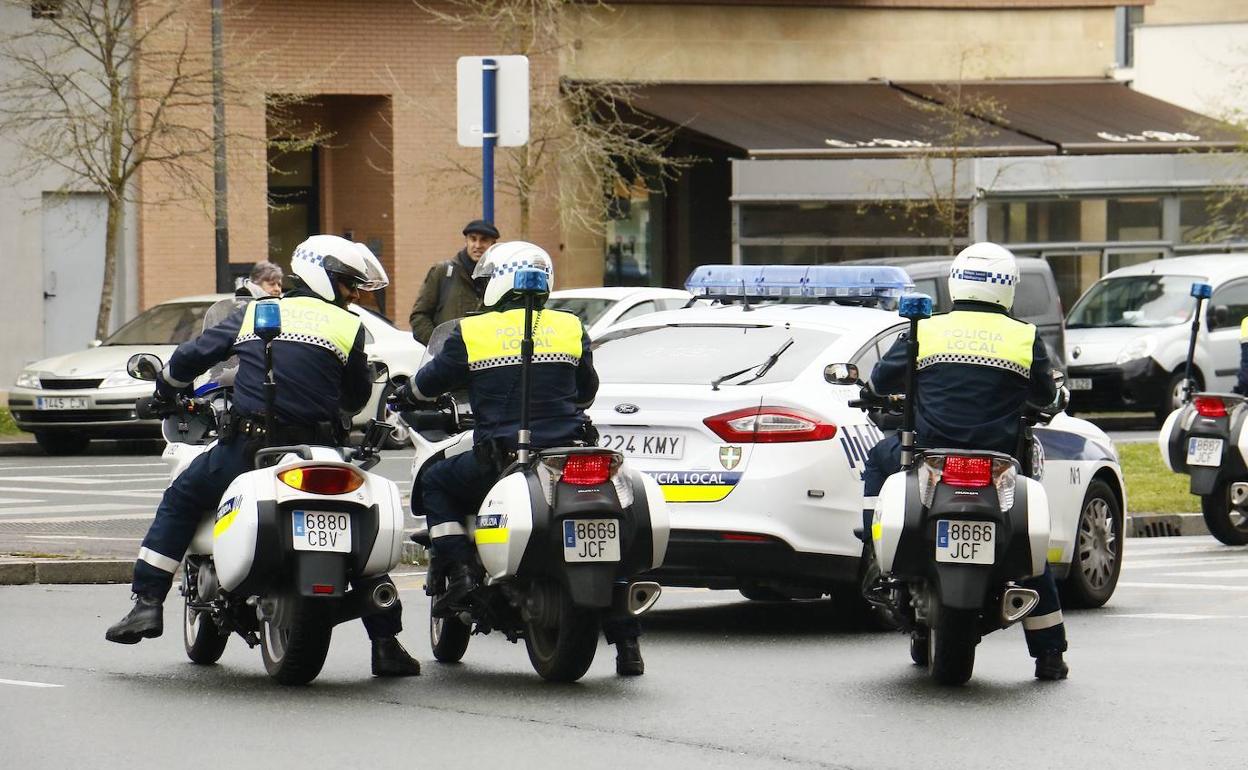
(78, 508)
(1185, 586)
(81, 537)
(148, 494)
(1221, 573)
(18, 500)
(157, 464)
(1175, 616)
(19, 683)
(91, 481)
(1164, 563)
(75, 519)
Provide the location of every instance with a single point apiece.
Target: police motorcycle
(1205, 438)
(558, 541)
(954, 533)
(271, 560)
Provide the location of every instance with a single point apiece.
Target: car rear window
(699, 354)
(162, 325)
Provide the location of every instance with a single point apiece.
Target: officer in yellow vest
(322, 371)
(482, 353)
(977, 368)
(1241, 382)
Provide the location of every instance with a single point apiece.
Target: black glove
(165, 392)
(404, 399)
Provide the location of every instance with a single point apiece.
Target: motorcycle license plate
(1204, 451)
(1079, 383)
(965, 542)
(60, 402)
(321, 531)
(591, 540)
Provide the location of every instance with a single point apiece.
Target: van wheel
(1097, 561)
(1172, 397)
(1226, 522)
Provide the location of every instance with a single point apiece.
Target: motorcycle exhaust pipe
(1016, 603)
(385, 595)
(642, 596)
(1239, 494)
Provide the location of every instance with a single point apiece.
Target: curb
(65, 571)
(29, 448)
(1164, 524)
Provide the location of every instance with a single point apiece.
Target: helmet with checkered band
(984, 272)
(321, 258)
(499, 264)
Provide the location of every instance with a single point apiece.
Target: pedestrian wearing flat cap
(449, 292)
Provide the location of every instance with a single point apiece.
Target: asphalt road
(1157, 682)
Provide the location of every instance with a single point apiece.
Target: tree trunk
(525, 188)
(112, 239)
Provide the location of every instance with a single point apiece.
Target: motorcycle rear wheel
(204, 642)
(294, 655)
(449, 638)
(951, 646)
(563, 652)
(1226, 522)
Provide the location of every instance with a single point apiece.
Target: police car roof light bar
(807, 281)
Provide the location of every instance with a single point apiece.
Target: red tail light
(586, 470)
(1208, 406)
(322, 479)
(322, 588)
(769, 425)
(967, 471)
(743, 537)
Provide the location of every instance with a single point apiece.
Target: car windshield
(170, 324)
(693, 354)
(1135, 301)
(588, 309)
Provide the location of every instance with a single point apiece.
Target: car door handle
(47, 295)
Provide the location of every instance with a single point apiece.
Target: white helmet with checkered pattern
(984, 272)
(320, 255)
(499, 263)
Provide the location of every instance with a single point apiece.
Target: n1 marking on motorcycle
(965, 542)
(321, 531)
(591, 540)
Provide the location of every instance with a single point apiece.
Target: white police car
(760, 456)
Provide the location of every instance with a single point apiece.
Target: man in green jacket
(449, 292)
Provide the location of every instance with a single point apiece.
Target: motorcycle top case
(1186, 424)
(252, 527)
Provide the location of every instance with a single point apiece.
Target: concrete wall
(1203, 67)
(21, 242)
(1195, 11)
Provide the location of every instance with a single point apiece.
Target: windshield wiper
(759, 370)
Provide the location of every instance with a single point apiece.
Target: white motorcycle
(560, 539)
(273, 559)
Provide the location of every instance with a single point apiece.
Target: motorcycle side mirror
(144, 366)
(841, 374)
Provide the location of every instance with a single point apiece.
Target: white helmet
(320, 255)
(984, 272)
(499, 263)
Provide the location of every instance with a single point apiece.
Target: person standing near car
(977, 367)
(449, 291)
(319, 357)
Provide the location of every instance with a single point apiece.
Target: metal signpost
(493, 111)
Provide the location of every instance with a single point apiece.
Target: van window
(1032, 298)
(1138, 301)
(1233, 297)
(931, 288)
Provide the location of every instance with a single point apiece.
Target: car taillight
(967, 471)
(769, 425)
(1209, 406)
(587, 470)
(322, 479)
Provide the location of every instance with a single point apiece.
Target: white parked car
(760, 456)
(600, 308)
(70, 399)
(1127, 336)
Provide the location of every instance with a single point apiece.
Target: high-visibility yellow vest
(1243, 330)
(493, 339)
(310, 321)
(981, 339)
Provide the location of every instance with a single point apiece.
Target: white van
(1127, 336)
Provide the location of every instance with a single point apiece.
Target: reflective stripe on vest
(982, 339)
(1243, 330)
(310, 321)
(493, 339)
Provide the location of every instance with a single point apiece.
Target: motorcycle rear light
(322, 479)
(962, 471)
(769, 425)
(1208, 406)
(322, 588)
(587, 470)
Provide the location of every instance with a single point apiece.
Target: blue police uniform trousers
(1043, 628)
(200, 487)
(454, 488)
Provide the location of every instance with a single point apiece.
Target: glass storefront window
(844, 220)
(793, 254)
(1133, 219)
(630, 258)
(1041, 221)
(1213, 217)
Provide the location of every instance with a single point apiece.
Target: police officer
(482, 353)
(977, 368)
(1241, 381)
(320, 363)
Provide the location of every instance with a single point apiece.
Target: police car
(740, 413)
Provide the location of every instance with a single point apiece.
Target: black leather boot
(1051, 667)
(628, 660)
(390, 659)
(146, 620)
(460, 581)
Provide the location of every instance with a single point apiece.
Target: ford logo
(626, 408)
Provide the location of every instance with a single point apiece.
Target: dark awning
(888, 120)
